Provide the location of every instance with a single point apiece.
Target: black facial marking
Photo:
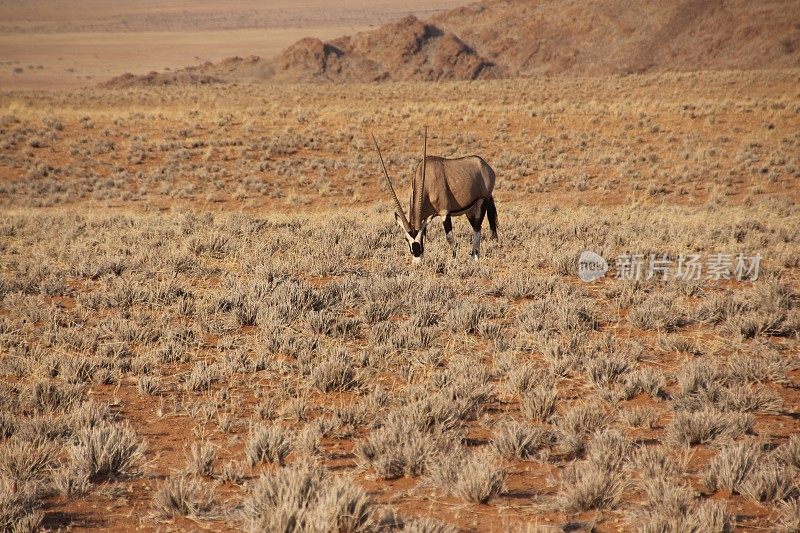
(416, 249)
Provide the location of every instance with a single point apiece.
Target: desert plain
(209, 319)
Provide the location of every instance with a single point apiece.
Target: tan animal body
(446, 187)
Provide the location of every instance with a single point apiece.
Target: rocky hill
(618, 36)
(499, 38)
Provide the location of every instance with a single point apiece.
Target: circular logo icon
(591, 266)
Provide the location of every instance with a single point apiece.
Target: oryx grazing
(445, 187)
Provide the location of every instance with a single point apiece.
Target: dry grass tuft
(475, 478)
(303, 497)
(515, 440)
(732, 466)
(588, 485)
(182, 496)
(108, 449)
(267, 443)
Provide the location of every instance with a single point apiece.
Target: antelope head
(415, 236)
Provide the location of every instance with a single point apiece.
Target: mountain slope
(498, 38)
(617, 36)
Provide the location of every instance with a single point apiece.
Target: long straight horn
(421, 192)
(398, 207)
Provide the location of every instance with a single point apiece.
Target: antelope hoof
(475, 257)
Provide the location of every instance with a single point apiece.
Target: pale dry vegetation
(281, 367)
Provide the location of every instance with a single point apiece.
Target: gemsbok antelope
(461, 186)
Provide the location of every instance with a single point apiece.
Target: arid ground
(203, 288)
(209, 319)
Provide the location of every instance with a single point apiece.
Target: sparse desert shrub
(349, 417)
(768, 481)
(108, 449)
(700, 427)
(700, 376)
(752, 324)
(525, 285)
(212, 242)
(576, 424)
(789, 517)
(233, 471)
(8, 425)
(308, 440)
(182, 496)
(409, 337)
(516, 440)
(564, 359)
(539, 403)
(50, 397)
(714, 516)
(148, 385)
(267, 409)
(475, 477)
(605, 370)
(789, 453)
(200, 458)
(464, 318)
(732, 465)
(398, 449)
(326, 323)
(27, 461)
(759, 367)
(296, 409)
(334, 373)
(46, 427)
(71, 480)
(18, 502)
(639, 417)
(608, 448)
(200, 378)
(671, 507)
(659, 462)
(678, 343)
(304, 497)
(156, 293)
(427, 525)
(656, 313)
(587, 485)
(750, 400)
(374, 312)
(267, 443)
(565, 262)
(247, 312)
(566, 310)
(667, 499)
(525, 377)
(455, 400)
(645, 380)
(425, 316)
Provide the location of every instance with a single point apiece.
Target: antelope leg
(476, 244)
(448, 232)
